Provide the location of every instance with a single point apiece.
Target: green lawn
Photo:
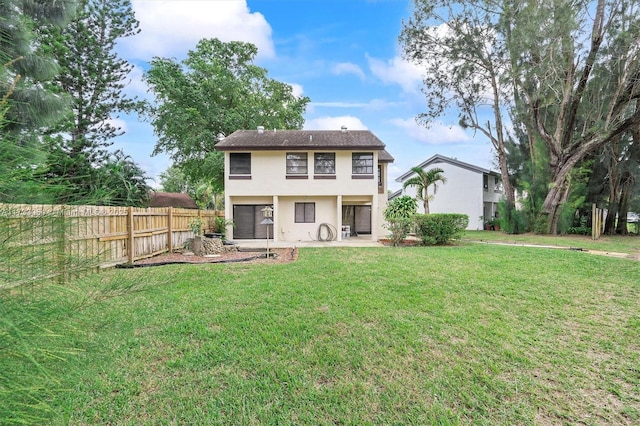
(469, 334)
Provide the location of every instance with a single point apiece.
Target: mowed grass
(469, 334)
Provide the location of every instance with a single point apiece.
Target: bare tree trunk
(559, 188)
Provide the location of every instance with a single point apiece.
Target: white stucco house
(469, 190)
(320, 184)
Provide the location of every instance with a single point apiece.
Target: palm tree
(422, 180)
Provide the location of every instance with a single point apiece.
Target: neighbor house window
(325, 163)
(305, 212)
(297, 163)
(362, 163)
(239, 163)
(485, 182)
(498, 187)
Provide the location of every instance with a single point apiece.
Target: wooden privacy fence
(38, 241)
(597, 221)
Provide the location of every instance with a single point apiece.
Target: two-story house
(469, 190)
(321, 184)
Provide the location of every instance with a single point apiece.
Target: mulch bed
(284, 255)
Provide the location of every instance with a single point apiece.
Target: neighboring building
(171, 199)
(318, 182)
(469, 190)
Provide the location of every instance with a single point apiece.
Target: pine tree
(95, 77)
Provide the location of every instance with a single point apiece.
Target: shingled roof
(172, 199)
(277, 140)
(244, 140)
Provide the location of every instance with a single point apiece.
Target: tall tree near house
(95, 77)
(215, 91)
(576, 68)
(422, 181)
(463, 56)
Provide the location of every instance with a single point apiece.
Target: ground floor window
(305, 212)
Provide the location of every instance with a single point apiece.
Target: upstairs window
(297, 163)
(325, 163)
(239, 163)
(305, 212)
(485, 182)
(498, 186)
(362, 163)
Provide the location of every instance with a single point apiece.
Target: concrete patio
(359, 241)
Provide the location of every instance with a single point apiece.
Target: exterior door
(358, 218)
(363, 219)
(247, 220)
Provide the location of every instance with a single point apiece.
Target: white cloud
(137, 86)
(436, 134)
(397, 71)
(171, 28)
(334, 123)
(348, 68)
(297, 89)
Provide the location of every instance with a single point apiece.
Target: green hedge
(440, 228)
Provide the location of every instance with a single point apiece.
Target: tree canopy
(567, 72)
(93, 76)
(215, 91)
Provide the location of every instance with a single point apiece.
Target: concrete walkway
(596, 252)
(360, 241)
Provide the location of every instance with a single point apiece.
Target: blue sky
(343, 54)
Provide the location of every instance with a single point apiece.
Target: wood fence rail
(38, 241)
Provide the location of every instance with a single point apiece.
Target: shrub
(399, 215)
(197, 225)
(438, 229)
(512, 220)
(401, 208)
(399, 229)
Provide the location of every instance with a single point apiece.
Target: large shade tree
(422, 180)
(567, 70)
(215, 91)
(464, 61)
(576, 68)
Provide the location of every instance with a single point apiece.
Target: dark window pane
(297, 163)
(362, 163)
(305, 212)
(325, 163)
(240, 163)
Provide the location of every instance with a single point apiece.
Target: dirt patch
(279, 255)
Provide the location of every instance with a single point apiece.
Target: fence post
(59, 223)
(130, 224)
(170, 230)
